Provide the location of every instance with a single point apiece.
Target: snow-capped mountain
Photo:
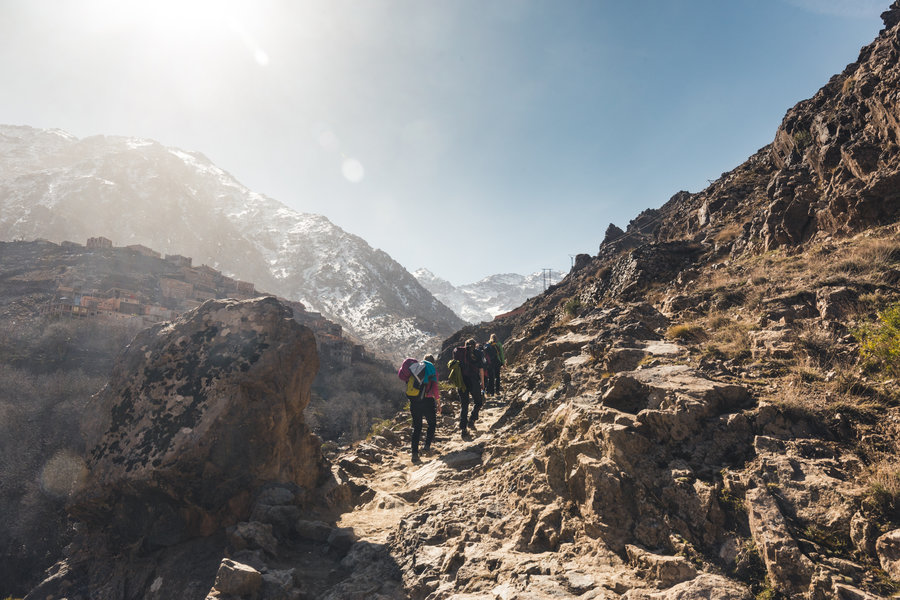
(484, 299)
(137, 191)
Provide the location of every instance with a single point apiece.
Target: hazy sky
(470, 137)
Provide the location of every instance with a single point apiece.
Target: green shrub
(880, 343)
(802, 139)
(378, 426)
(572, 306)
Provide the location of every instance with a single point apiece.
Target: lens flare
(63, 474)
(262, 59)
(353, 170)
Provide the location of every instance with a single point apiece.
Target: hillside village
(182, 288)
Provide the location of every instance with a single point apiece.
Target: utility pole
(548, 278)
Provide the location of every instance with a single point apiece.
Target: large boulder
(198, 416)
(200, 412)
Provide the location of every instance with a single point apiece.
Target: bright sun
(179, 24)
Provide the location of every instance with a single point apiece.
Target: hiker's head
(493, 338)
(470, 343)
(429, 358)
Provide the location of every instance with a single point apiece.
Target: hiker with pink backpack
(424, 397)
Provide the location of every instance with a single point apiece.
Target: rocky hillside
(484, 299)
(833, 168)
(135, 191)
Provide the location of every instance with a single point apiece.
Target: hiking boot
(415, 458)
(466, 435)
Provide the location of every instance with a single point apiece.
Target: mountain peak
(485, 299)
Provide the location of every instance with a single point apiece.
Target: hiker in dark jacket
(471, 361)
(425, 403)
(493, 350)
(486, 370)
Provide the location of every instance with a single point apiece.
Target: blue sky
(470, 137)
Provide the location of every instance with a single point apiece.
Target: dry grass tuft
(865, 257)
(729, 338)
(728, 234)
(821, 346)
(686, 332)
(883, 483)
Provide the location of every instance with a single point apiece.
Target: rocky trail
(396, 485)
(480, 518)
(445, 521)
(639, 451)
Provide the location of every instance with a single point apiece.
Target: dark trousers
(492, 380)
(422, 407)
(473, 391)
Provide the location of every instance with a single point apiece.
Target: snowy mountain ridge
(485, 299)
(136, 191)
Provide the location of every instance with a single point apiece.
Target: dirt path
(398, 484)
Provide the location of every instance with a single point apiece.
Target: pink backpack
(404, 372)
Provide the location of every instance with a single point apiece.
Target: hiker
(486, 365)
(493, 350)
(424, 396)
(455, 378)
(471, 361)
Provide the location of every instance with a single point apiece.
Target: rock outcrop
(217, 395)
(199, 416)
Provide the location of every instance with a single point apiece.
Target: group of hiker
(474, 371)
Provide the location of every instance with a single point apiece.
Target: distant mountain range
(137, 191)
(485, 299)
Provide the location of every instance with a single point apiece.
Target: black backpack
(490, 352)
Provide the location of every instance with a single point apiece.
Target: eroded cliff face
(200, 416)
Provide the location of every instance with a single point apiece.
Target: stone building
(179, 260)
(335, 350)
(99, 242)
(144, 250)
(200, 276)
(204, 293)
(175, 288)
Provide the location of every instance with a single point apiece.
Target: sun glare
(180, 24)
